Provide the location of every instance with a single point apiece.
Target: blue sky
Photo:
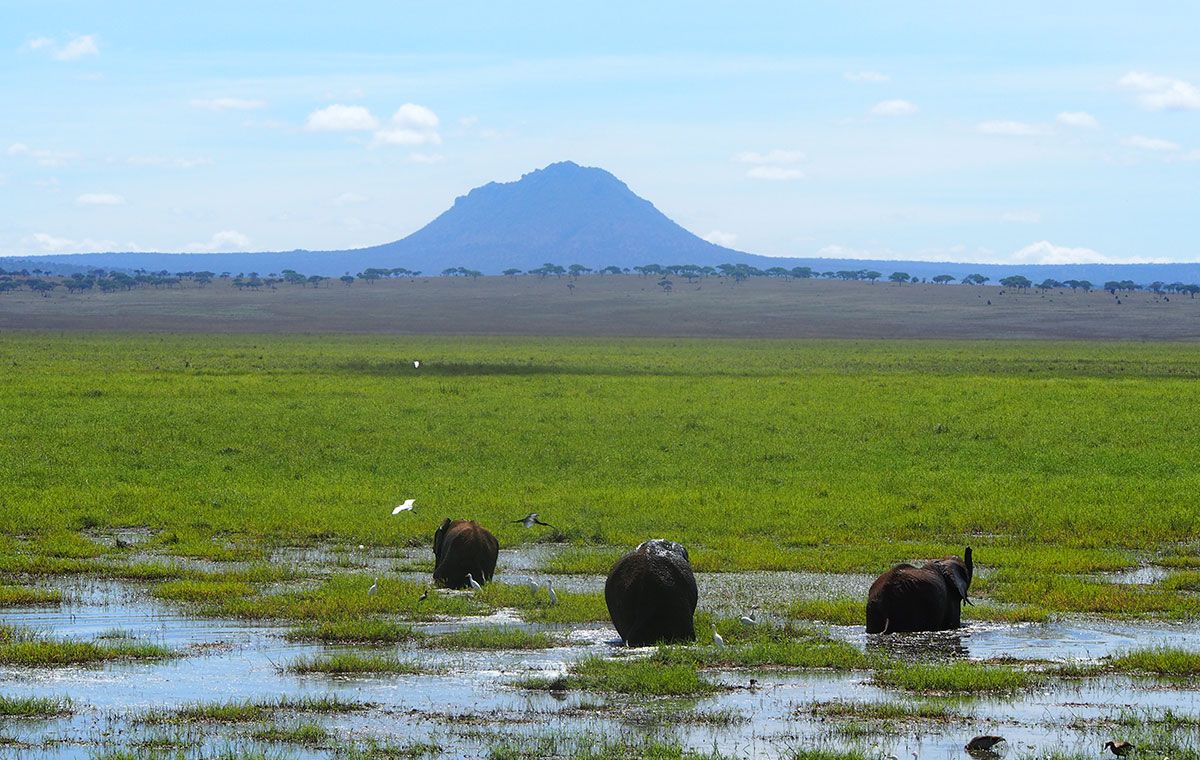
(935, 130)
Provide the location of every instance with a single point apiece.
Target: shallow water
(472, 691)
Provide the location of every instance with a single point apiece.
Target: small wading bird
(749, 619)
(1119, 748)
(532, 585)
(407, 506)
(416, 364)
(717, 638)
(550, 590)
(374, 588)
(423, 596)
(531, 520)
(983, 744)
(471, 582)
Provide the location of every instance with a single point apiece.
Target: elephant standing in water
(651, 594)
(926, 598)
(461, 547)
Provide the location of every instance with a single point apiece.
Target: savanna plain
(191, 523)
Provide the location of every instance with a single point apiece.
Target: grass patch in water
(840, 611)
(894, 711)
(307, 734)
(33, 707)
(354, 632)
(491, 637)
(247, 711)
(764, 646)
(954, 677)
(628, 676)
(26, 596)
(1162, 661)
(1072, 594)
(1182, 580)
(377, 749)
(24, 648)
(345, 663)
(202, 591)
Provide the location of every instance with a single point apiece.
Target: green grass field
(1055, 458)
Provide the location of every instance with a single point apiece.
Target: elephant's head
(661, 546)
(438, 535)
(957, 572)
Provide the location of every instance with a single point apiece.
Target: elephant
(462, 547)
(651, 594)
(926, 598)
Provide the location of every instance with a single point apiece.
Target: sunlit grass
(628, 676)
(346, 663)
(361, 631)
(491, 637)
(954, 677)
(33, 707)
(29, 596)
(23, 648)
(245, 711)
(1163, 661)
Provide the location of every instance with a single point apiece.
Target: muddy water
(472, 691)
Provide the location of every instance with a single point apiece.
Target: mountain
(566, 214)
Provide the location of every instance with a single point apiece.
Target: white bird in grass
(407, 506)
(533, 586)
(749, 619)
(374, 588)
(550, 590)
(471, 582)
(717, 639)
(416, 364)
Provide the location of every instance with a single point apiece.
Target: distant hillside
(565, 214)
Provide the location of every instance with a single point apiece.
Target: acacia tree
(899, 277)
(942, 279)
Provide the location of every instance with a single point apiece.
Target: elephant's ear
(956, 576)
(438, 536)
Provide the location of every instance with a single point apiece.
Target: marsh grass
(491, 637)
(33, 707)
(249, 710)
(891, 711)
(1162, 661)
(377, 749)
(627, 676)
(349, 663)
(23, 648)
(203, 591)
(358, 631)
(27, 596)
(307, 734)
(955, 678)
(1067, 593)
(764, 646)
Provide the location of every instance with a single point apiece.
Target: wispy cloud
(1080, 119)
(777, 165)
(1150, 143)
(1011, 128)
(42, 156)
(1159, 93)
(1045, 252)
(165, 162)
(228, 104)
(340, 118)
(721, 238)
(1021, 217)
(46, 243)
(349, 199)
(866, 77)
(73, 49)
(412, 124)
(771, 157)
(426, 158)
(894, 108)
(225, 240)
(100, 199)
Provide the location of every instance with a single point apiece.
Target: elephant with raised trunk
(926, 598)
(651, 594)
(461, 547)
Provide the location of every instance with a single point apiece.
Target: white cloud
(777, 173)
(339, 118)
(467, 122)
(1021, 217)
(47, 243)
(866, 77)
(42, 156)
(227, 104)
(100, 199)
(411, 125)
(1159, 93)
(225, 240)
(721, 238)
(1080, 119)
(426, 158)
(74, 49)
(1045, 252)
(894, 108)
(1011, 128)
(349, 199)
(1150, 143)
(771, 157)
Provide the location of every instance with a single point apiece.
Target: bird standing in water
(1119, 748)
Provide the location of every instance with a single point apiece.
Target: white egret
(550, 590)
(532, 585)
(748, 619)
(374, 588)
(531, 520)
(471, 582)
(407, 506)
(416, 364)
(717, 639)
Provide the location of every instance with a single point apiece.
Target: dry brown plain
(620, 306)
